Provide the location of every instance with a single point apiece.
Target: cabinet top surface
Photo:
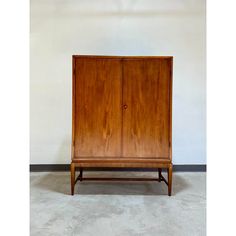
(117, 57)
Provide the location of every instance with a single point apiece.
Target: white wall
(60, 28)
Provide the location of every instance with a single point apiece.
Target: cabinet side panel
(146, 119)
(170, 105)
(97, 107)
(73, 109)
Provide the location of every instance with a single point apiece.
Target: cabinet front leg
(72, 172)
(169, 179)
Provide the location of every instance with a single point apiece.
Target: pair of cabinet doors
(122, 107)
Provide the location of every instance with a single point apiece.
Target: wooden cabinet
(121, 114)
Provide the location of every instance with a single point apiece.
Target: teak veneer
(122, 114)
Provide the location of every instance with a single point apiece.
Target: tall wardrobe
(122, 115)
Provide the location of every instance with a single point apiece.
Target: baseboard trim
(66, 167)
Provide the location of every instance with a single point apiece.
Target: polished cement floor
(117, 208)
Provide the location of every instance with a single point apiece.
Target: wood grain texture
(122, 113)
(146, 121)
(170, 106)
(170, 172)
(93, 160)
(97, 130)
(115, 164)
(73, 109)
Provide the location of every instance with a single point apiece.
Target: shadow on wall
(60, 183)
(134, 13)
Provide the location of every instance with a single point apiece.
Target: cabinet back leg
(72, 173)
(159, 174)
(81, 174)
(169, 179)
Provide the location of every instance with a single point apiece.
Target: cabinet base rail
(160, 178)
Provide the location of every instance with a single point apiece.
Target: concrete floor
(117, 208)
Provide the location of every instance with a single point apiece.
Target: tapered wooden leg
(159, 174)
(169, 179)
(72, 172)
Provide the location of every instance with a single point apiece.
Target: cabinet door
(97, 108)
(146, 107)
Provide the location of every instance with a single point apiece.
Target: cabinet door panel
(146, 121)
(97, 119)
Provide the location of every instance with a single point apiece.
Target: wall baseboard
(66, 167)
